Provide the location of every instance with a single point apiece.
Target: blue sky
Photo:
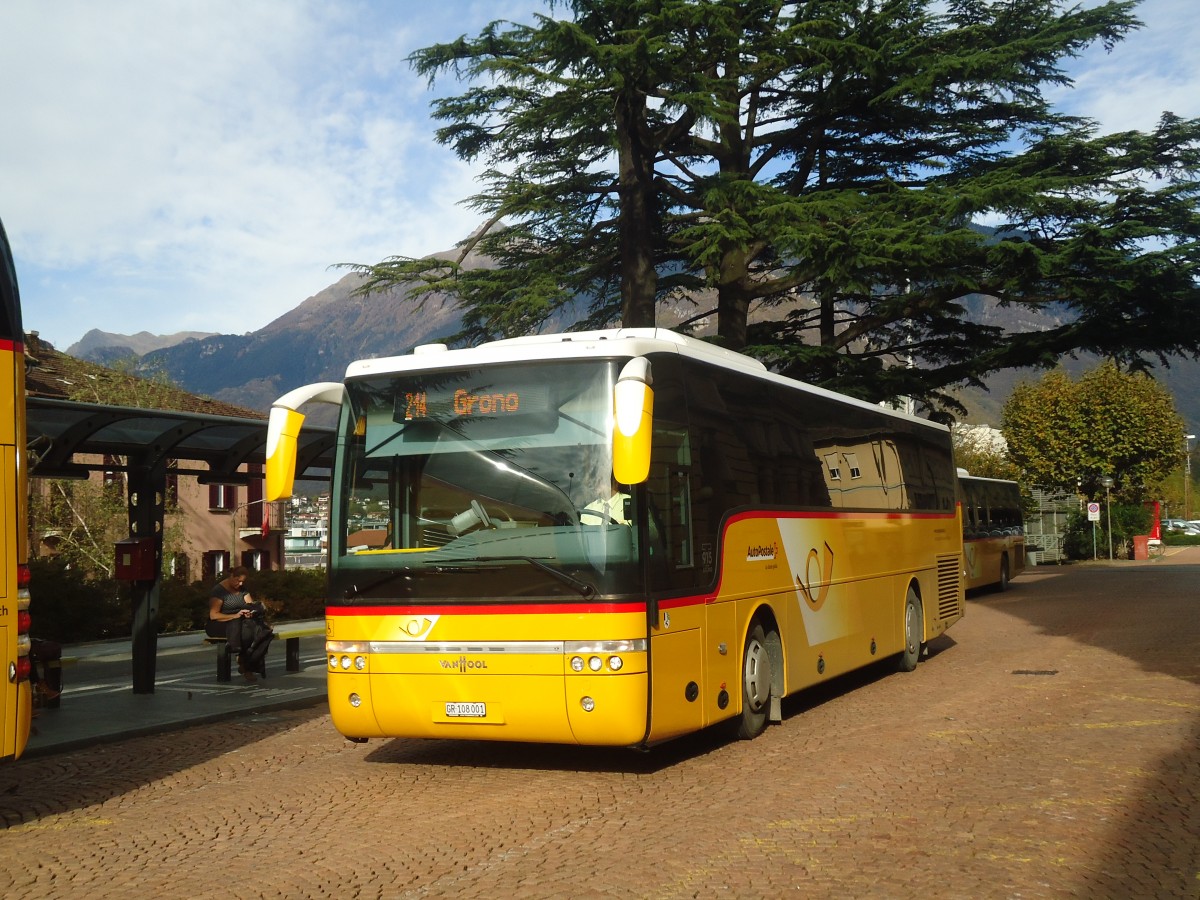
(199, 165)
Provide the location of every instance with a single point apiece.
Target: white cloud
(1154, 69)
(200, 165)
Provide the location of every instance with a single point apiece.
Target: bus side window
(669, 490)
(681, 519)
(671, 509)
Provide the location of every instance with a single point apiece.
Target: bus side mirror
(283, 432)
(633, 422)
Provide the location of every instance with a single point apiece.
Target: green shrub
(182, 606)
(68, 607)
(1128, 519)
(1174, 539)
(301, 591)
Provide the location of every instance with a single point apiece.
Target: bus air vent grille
(949, 597)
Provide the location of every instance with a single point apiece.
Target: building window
(256, 560)
(254, 497)
(222, 496)
(831, 463)
(852, 463)
(215, 565)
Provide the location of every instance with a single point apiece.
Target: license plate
(466, 710)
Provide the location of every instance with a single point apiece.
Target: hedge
(69, 608)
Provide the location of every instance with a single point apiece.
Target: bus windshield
(484, 482)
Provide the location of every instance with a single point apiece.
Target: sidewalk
(110, 711)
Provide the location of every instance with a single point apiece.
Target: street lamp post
(1187, 473)
(235, 532)
(1108, 483)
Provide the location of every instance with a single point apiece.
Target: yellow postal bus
(993, 531)
(15, 698)
(615, 538)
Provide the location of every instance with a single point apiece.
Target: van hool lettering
(463, 664)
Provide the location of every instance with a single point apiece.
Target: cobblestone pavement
(1048, 747)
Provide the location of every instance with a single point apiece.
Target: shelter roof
(76, 408)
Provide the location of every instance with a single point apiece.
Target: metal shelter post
(146, 507)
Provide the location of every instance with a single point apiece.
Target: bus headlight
(355, 700)
(595, 663)
(615, 663)
(346, 663)
(577, 663)
(587, 703)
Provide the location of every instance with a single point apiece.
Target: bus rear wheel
(914, 629)
(756, 684)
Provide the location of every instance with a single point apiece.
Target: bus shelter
(70, 439)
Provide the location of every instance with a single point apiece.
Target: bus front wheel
(914, 629)
(756, 684)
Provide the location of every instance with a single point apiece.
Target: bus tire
(913, 632)
(756, 684)
(1003, 573)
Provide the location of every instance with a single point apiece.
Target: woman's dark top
(231, 602)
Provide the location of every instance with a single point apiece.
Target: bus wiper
(355, 591)
(585, 590)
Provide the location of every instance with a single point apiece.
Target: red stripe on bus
(11, 346)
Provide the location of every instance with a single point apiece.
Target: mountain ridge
(317, 339)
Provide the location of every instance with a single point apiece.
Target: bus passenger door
(676, 636)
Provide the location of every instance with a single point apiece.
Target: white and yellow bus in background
(993, 531)
(16, 699)
(615, 538)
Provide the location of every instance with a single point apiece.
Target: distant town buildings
(306, 540)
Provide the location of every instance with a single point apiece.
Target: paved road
(1048, 747)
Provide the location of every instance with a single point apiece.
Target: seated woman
(236, 616)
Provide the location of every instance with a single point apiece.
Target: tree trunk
(637, 193)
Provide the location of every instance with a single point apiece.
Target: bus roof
(603, 344)
(964, 475)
